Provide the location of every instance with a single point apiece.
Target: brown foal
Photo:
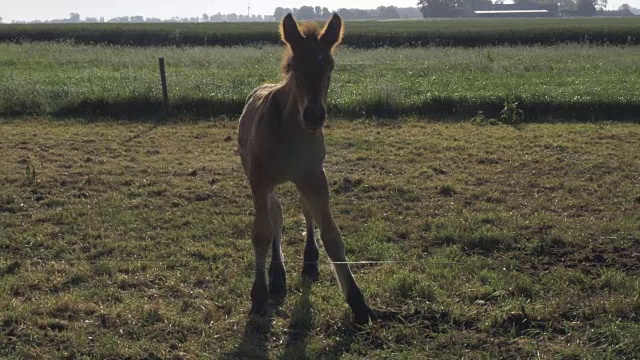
(280, 139)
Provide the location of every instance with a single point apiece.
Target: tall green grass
(368, 34)
(567, 81)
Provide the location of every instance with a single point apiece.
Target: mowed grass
(566, 81)
(131, 240)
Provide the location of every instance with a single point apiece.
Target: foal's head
(309, 64)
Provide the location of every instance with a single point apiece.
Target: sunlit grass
(133, 241)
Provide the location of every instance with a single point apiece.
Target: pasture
(131, 240)
(123, 236)
(570, 81)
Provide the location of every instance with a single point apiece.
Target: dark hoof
(259, 308)
(310, 272)
(364, 317)
(277, 283)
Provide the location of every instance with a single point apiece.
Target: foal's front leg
(310, 267)
(315, 191)
(261, 236)
(277, 273)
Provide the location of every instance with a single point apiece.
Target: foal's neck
(291, 103)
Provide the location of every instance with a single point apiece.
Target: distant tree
(567, 5)
(216, 18)
(232, 17)
(438, 8)
(74, 17)
(121, 19)
(586, 7)
(136, 19)
(623, 7)
(359, 14)
(279, 13)
(346, 14)
(152, 20)
(91, 20)
(364, 14)
(318, 12)
(325, 13)
(205, 17)
(473, 3)
(0, 19)
(306, 13)
(455, 8)
(558, 5)
(602, 4)
(552, 5)
(388, 12)
(409, 12)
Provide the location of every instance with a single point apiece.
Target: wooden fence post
(163, 79)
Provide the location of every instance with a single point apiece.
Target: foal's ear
(289, 32)
(332, 33)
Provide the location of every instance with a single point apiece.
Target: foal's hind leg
(277, 273)
(316, 193)
(310, 266)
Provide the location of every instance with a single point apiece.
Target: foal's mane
(309, 30)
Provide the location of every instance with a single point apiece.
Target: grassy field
(368, 34)
(131, 240)
(565, 81)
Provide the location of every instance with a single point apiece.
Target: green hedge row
(366, 34)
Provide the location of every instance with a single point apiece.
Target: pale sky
(164, 9)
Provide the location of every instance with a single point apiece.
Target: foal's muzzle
(313, 117)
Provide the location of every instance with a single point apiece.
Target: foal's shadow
(254, 343)
(300, 325)
(345, 332)
(254, 340)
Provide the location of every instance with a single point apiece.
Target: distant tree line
(426, 8)
(323, 13)
(457, 8)
(302, 13)
(233, 17)
(75, 18)
(627, 7)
